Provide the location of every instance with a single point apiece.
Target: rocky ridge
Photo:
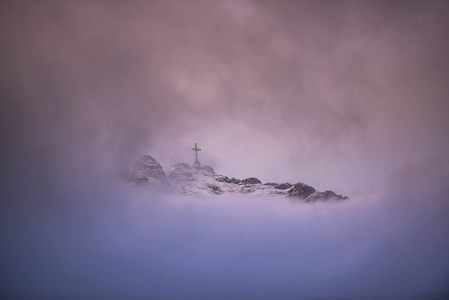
(183, 178)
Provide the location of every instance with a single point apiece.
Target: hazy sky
(350, 96)
(336, 95)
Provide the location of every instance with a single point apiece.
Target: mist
(346, 96)
(105, 241)
(335, 95)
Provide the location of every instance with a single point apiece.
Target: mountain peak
(201, 181)
(145, 172)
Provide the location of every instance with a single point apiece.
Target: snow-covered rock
(146, 172)
(203, 182)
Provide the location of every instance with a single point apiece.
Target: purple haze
(349, 96)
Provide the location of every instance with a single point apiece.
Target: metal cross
(196, 149)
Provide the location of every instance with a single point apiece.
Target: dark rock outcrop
(283, 186)
(228, 180)
(301, 190)
(251, 180)
(327, 195)
(215, 189)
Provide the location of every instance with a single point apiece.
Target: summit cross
(196, 149)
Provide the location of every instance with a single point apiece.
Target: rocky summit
(201, 181)
(146, 172)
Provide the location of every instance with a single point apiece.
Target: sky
(336, 95)
(350, 96)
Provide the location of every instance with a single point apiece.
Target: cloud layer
(100, 241)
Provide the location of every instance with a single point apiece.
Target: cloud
(332, 87)
(97, 239)
(337, 95)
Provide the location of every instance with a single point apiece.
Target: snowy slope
(203, 182)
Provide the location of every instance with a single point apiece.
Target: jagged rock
(301, 190)
(228, 180)
(327, 195)
(221, 178)
(215, 189)
(283, 186)
(235, 181)
(202, 182)
(251, 180)
(145, 172)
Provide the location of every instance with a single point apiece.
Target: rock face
(329, 195)
(145, 172)
(283, 186)
(203, 182)
(301, 190)
(251, 180)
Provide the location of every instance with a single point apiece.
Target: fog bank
(100, 241)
